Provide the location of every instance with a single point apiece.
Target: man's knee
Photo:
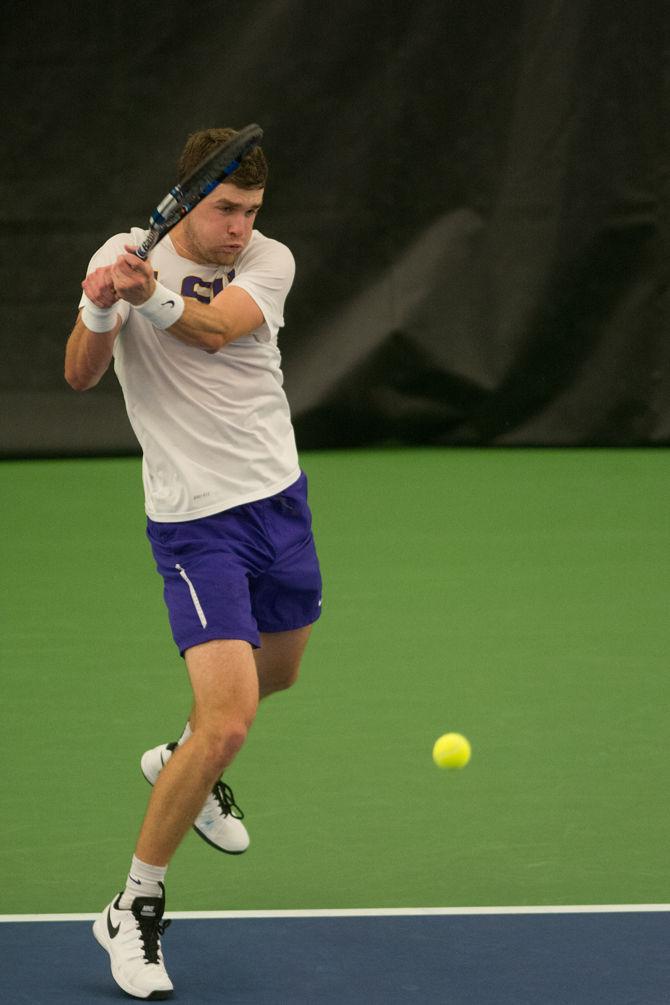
(225, 689)
(287, 676)
(278, 659)
(279, 678)
(220, 743)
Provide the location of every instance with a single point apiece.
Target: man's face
(220, 227)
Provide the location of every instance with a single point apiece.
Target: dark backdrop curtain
(476, 195)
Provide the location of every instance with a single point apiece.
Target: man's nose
(236, 223)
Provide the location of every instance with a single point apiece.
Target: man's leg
(278, 659)
(218, 820)
(225, 689)
(225, 698)
(277, 662)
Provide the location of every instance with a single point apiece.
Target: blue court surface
(613, 957)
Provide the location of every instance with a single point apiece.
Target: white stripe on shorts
(194, 596)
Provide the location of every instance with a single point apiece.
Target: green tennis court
(517, 596)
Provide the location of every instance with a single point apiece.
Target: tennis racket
(181, 199)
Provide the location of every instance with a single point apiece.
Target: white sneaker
(132, 939)
(219, 822)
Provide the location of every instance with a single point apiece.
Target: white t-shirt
(215, 429)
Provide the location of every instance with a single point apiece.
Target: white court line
(373, 912)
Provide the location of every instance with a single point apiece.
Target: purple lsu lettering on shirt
(201, 289)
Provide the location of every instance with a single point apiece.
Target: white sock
(143, 881)
(188, 732)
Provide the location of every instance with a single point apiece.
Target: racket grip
(149, 242)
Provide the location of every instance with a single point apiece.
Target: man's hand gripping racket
(135, 282)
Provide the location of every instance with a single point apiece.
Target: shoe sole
(125, 985)
(216, 847)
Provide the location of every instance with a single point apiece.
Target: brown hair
(253, 169)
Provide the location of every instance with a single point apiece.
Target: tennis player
(193, 336)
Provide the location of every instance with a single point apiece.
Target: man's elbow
(78, 381)
(216, 341)
(219, 331)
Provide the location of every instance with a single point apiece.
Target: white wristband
(163, 308)
(98, 319)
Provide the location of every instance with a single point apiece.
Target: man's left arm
(232, 313)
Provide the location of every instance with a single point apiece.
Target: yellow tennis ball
(451, 751)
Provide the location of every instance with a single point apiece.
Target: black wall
(477, 195)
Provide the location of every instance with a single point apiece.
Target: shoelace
(150, 930)
(226, 800)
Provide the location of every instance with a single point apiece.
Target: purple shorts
(247, 570)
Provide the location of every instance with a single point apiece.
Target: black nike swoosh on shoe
(167, 302)
(113, 932)
(171, 747)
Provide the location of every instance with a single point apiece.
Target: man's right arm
(88, 353)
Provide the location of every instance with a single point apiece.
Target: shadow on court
(559, 959)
